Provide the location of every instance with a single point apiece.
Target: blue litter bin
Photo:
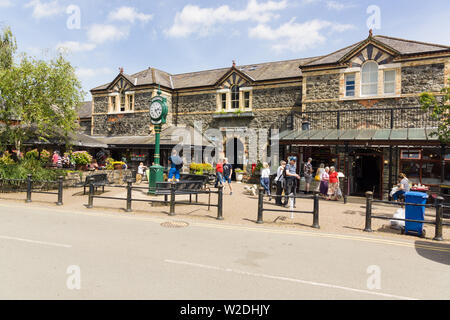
(415, 212)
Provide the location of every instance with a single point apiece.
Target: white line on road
(267, 276)
(37, 242)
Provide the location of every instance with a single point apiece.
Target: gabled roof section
(393, 46)
(122, 81)
(232, 72)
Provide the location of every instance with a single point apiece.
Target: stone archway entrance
(234, 151)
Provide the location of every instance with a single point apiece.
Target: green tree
(40, 99)
(8, 47)
(440, 108)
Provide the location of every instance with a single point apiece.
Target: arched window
(235, 97)
(369, 79)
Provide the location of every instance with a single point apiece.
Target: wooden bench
(100, 180)
(181, 187)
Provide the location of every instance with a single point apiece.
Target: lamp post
(158, 114)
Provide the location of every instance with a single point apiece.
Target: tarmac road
(45, 253)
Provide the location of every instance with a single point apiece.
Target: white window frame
(346, 75)
(369, 83)
(393, 82)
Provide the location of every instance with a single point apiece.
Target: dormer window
(369, 79)
(122, 101)
(234, 97)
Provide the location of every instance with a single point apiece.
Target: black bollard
(260, 205)
(29, 182)
(316, 212)
(439, 217)
(219, 202)
(369, 198)
(129, 191)
(172, 199)
(91, 193)
(60, 191)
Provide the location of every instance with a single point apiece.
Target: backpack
(179, 166)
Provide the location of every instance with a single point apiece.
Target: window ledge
(232, 114)
(388, 96)
(120, 112)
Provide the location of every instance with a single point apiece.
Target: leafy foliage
(28, 166)
(200, 168)
(440, 110)
(38, 98)
(32, 154)
(8, 47)
(81, 157)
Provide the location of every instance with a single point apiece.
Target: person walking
(403, 186)
(227, 172)
(324, 177)
(265, 179)
(333, 184)
(319, 172)
(307, 172)
(140, 172)
(176, 164)
(280, 181)
(219, 173)
(291, 179)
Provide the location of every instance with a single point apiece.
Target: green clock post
(158, 114)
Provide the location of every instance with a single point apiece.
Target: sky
(98, 37)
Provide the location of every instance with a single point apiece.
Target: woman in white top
(324, 177)
(265, 181)
(319, 172)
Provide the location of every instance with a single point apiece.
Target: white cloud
(100, 33)
(193, 19)
(93, 72)
(5, 3)
(297, 37)
(44, 9)
(334, 5)
(129, 14)
(75, 46)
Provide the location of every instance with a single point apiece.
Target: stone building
(360, 104)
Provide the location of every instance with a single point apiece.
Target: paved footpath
(140, 257)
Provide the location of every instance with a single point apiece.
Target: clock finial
(159, 90)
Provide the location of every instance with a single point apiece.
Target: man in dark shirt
(227, 171)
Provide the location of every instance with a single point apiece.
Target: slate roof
(402, 46)
(165, 138)
(257, 72)
(273, 70)
(374, 135)
(85, 110)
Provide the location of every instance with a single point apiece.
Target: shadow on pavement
(437, 252)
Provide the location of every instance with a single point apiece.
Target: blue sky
(192, 35)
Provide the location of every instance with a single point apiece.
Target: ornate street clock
(158, 114)
(158, 109)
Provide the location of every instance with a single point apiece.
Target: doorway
(234, 151)
(367, 171)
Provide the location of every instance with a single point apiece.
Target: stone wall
(125, 124)
(100, 104)
(369, 118)
(417, 79)
(322, 86)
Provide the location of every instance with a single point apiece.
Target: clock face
(156, 110)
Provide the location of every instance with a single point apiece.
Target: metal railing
(30, 190)
(171, 202)
(370, 118)
(438, 222)
(291, 197)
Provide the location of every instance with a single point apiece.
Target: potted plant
(239, 175)
(81, 159)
